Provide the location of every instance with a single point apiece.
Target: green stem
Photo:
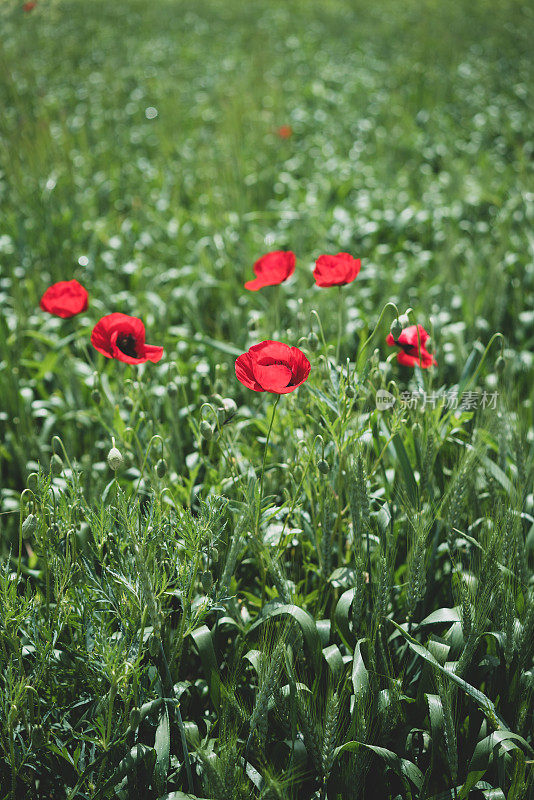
(258, 510)
(339, 322)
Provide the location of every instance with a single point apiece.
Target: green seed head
(115, 459)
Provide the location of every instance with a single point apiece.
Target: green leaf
(136, 756)
(341, 615)
(482, 701)
(162, 746)
(204, 642)
(406, 468)
(334, 659)
(401, 766)
(483, 755)
(306, 624)
(360, 675)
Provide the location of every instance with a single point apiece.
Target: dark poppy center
(127, 344)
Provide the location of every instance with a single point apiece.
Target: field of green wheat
(272, 541)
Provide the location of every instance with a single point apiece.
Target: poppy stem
(339, 322)
(260, 498)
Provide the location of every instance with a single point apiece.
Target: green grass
(370, 634)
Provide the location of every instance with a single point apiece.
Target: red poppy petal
(153, 353)
(390, 340)
(273, 377)
(254, 285)
(244, 374)
(300, 366)
(270, 350)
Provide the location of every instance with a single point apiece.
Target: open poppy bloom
(122, 337)
(336, 270)
(272, 367)
(272, 269)
(285, 131)
(412, 343)
(65, 299)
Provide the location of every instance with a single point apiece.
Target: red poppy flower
(285, 131)
(271, 269)
(336, 270)
(29, 6)
(412, 343)
(272, 367)
(65, 299)
(122, 337)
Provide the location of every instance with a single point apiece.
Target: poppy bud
(115, 459)
(128, 403)
(404, 321)
(323, 466)
(350, 391)
(135, 717)
(221, 415)
(161, 468)
(153, 646)
(206, 430)
(207, 580)
(172, 390)
(214, 555)
(56, 465)
(230, 406)
(38, 736)
(313, 340)
(500, 365)
(29, 526)
(396, 328)
(96, 397)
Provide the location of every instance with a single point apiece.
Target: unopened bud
(350, 391)
(313, 340)
(128, 403)
(207, 580)
(161, 468)
(135, 717)
(115, 459)
(230, 406)
(206, 430)
(38, 736)
(396, 328)
(404, 321)
(214, 555)
(29, 526)
(56, 464)
(96, 397)
(323, 466)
